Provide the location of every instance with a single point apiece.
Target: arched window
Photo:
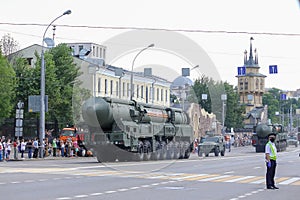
(257, 84)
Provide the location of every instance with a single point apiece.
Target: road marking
(230, 172)
(213, 178)
(96, 194)
(296, 183)
(278, 180)
(239, 179)
(289, 181)
(226, 179)
(259, 181)
(251, 179)
(203, 177)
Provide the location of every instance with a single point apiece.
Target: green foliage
(7, 88)
(213, 103)
(60, 76)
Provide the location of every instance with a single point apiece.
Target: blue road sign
(273, 69)
(241, 71)
(283, 97)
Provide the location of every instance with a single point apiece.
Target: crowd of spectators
(31, 148)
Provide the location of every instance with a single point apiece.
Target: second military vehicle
(212, 144)
(260, 137)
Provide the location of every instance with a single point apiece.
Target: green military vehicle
(212, 144)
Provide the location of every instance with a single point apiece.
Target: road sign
(241, 71)
(273, 69)
(283, 97)
(34, 103)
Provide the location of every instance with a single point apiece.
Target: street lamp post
(42, 102)
(223, 98)
(131, 77)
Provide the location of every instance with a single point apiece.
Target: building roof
(182, 81)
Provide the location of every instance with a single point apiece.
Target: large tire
(217, 151)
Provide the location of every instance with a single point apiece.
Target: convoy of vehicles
(127, 130)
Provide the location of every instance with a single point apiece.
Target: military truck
(212, 144)
(260, 137)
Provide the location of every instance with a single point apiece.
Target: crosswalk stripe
(296, 183)
(226, 179)
(278, 180)
(251, 179)
(214, 178)
(289, 181)
(239, 179)
(259, 181)
(192, 177)
(203, 177)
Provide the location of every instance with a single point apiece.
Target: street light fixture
(42, 102)
(131, 77)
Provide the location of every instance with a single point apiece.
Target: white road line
(134, 188)
(230, 172)
(63, 198)
(110, 192)
(289, 181)
(258, 181)
(213, 178)
(238, 179)
(123, 190)
(15, 182)
(187, 177)
(81, 196)
(96, 194)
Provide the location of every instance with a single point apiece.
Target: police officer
(271, 155)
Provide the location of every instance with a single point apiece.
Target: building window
(166, 96)
(105, 89)
(157, 94)
(123, 89)
(257, 84)
(128, 90)
(132, 92)
(162, 95)
(100, 52)
(246, 84)
(241, 84)
(97, 52)
(80, 47)
(142, 91)
(137, 91)
(99, 85)
(111, 87)
(103, 54)
(117, 88)
(94, 51)
(262, 84)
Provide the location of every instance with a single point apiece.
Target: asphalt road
(238, 175)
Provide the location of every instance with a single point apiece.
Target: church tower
(251, 84)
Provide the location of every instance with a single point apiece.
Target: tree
(8, 45)
(66, 72)
(7, 88)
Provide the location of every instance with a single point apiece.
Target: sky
(220, 30)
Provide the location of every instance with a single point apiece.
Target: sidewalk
(50, 157)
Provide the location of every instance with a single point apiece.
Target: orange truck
(70, 133)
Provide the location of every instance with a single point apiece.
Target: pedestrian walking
(15, 145)
(271, 156)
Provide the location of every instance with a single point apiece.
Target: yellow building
(251, 87)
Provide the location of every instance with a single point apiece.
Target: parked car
(292, 140)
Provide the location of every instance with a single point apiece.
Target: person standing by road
(271, 156)
(23, 147)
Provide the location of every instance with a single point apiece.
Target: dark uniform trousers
(271, 174)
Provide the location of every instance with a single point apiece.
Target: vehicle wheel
(206, 155)
(163, 151)
(217, 151)
(223, 153)
(147, 150)
(200, 154)
(176, 150)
